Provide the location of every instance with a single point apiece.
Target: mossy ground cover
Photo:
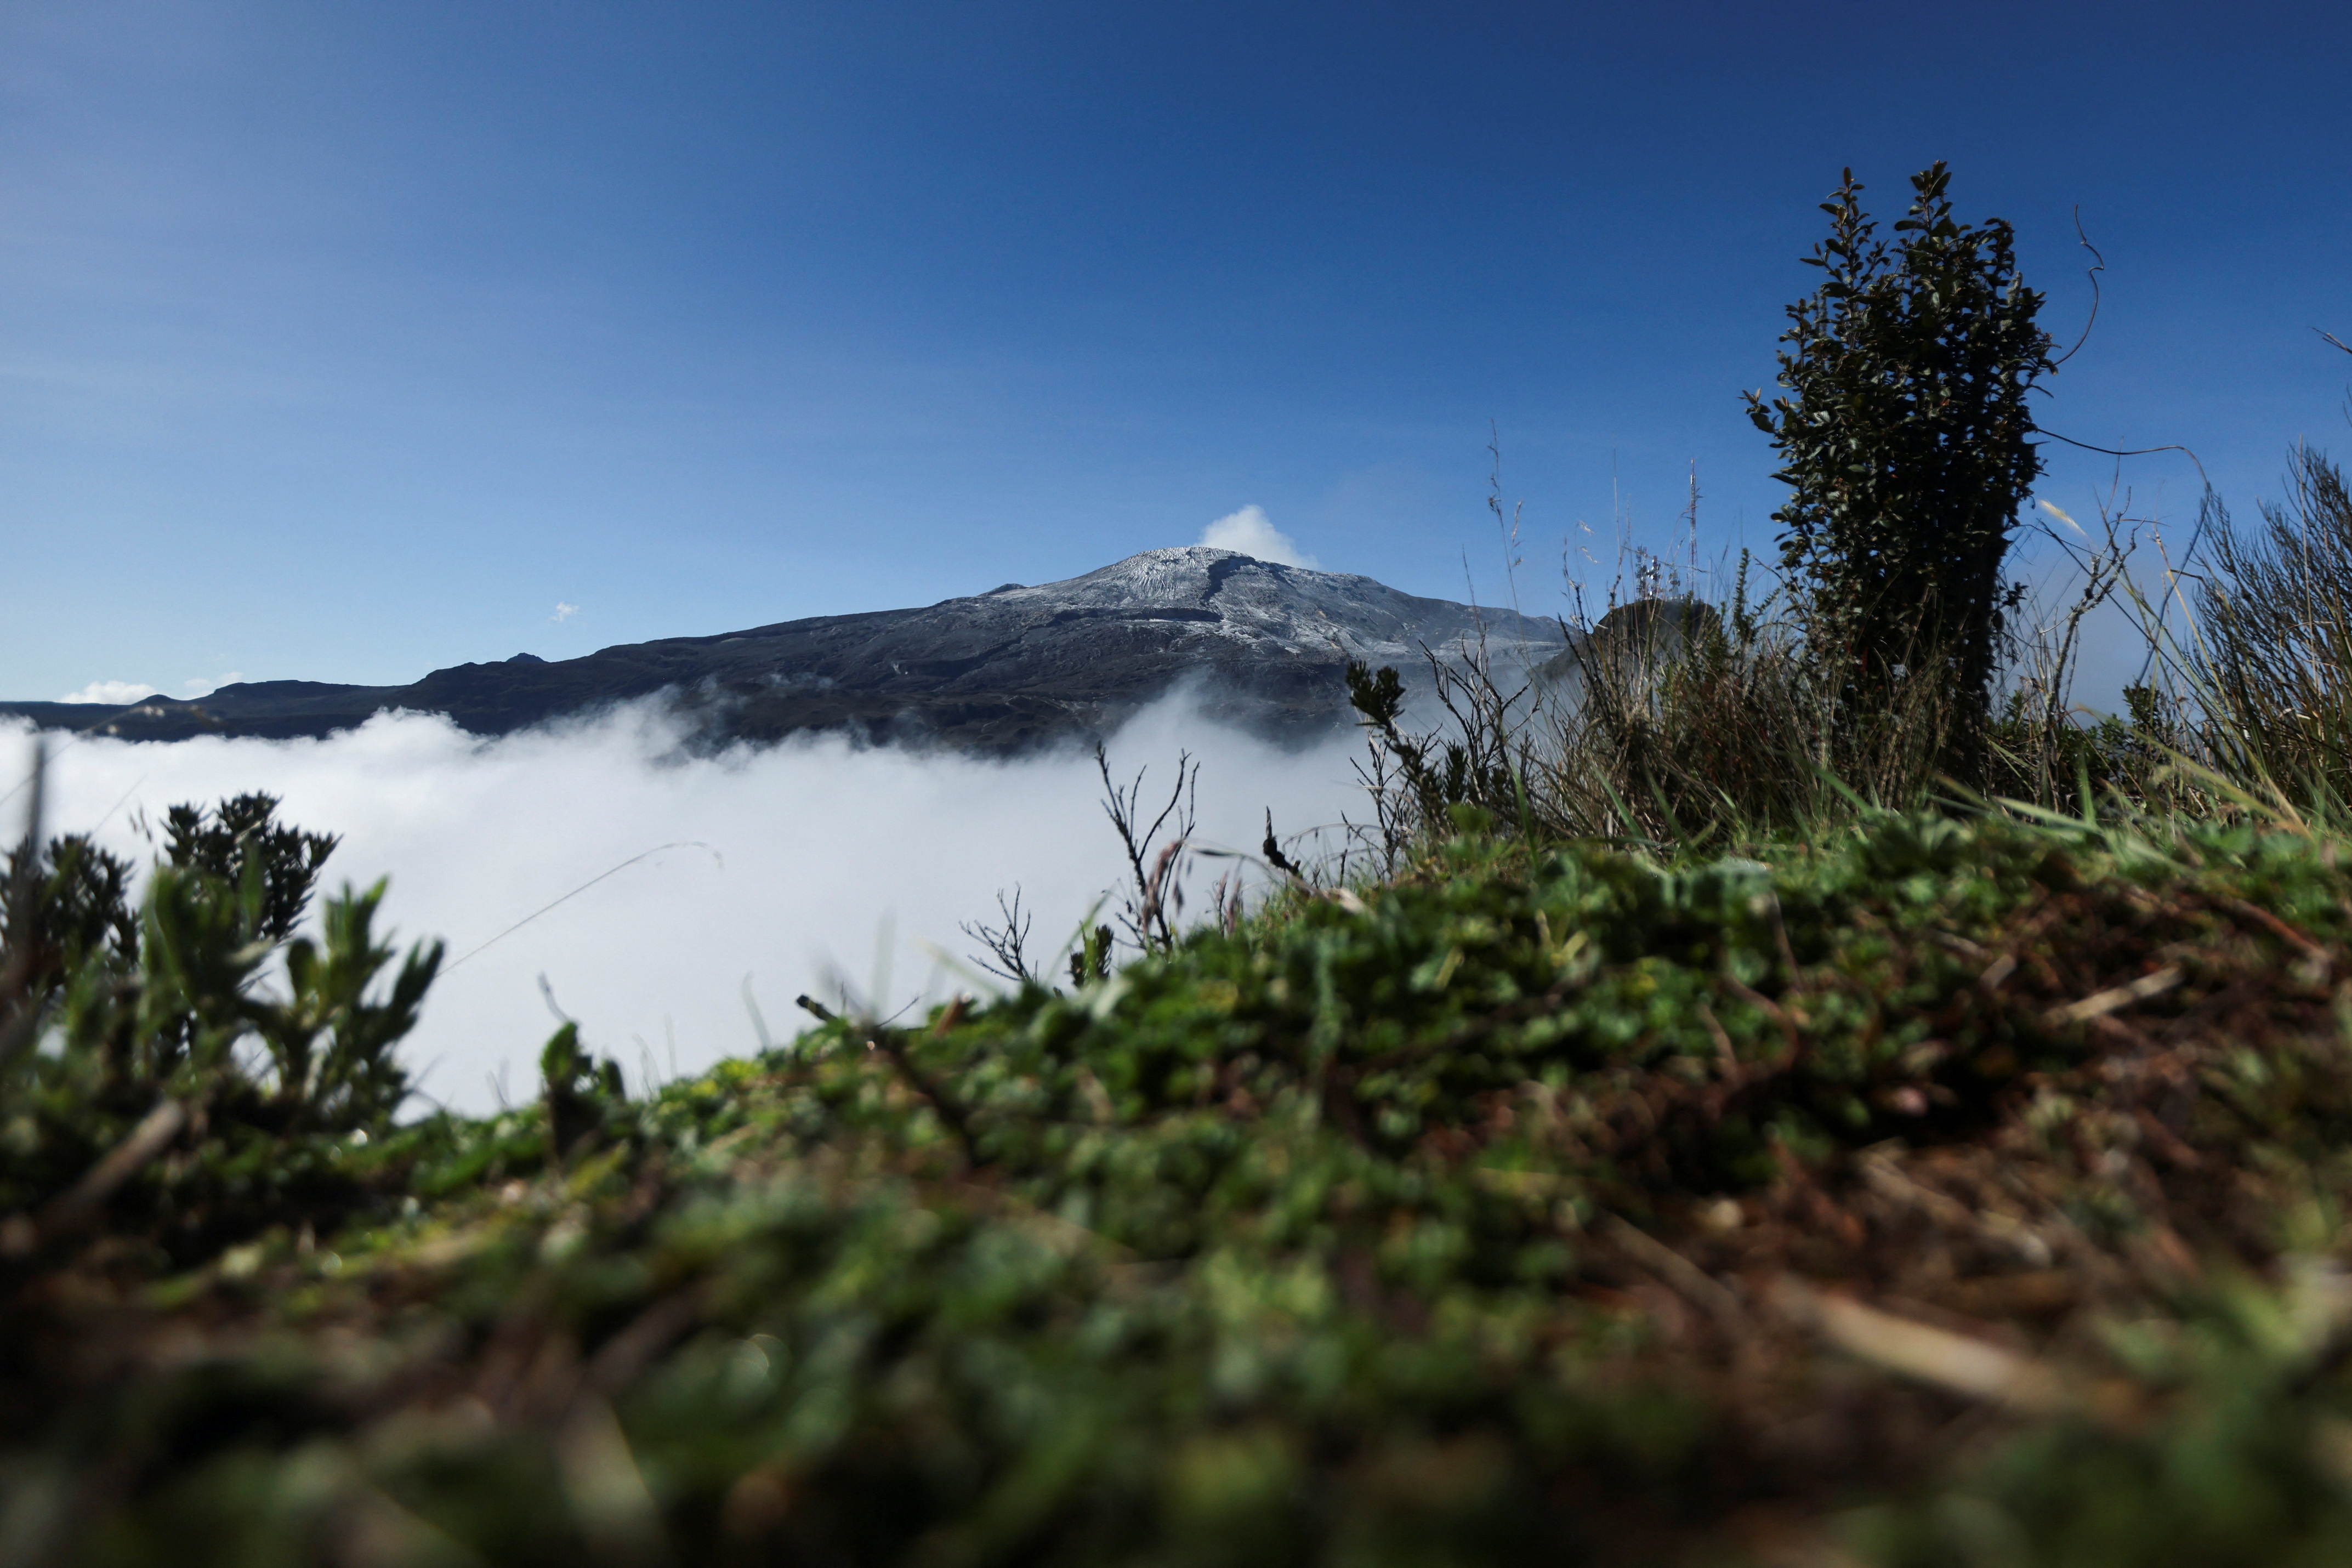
(1949, 1190)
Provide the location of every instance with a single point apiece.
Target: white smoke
(1252, 532)
(787, 865)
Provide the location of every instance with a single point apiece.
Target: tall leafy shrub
(1907, 449)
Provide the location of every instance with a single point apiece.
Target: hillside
(1267, 644)
(1948, 1192)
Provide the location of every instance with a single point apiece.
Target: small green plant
(174, 1079)
(582, 1093)
(242, 837)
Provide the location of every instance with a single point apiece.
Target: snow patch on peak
(1185, 574)
(1204, 598)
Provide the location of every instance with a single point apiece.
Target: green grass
(1503, 1214)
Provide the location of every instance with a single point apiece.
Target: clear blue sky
(345, 342)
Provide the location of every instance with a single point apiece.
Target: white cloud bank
(1252, 532)
(791, 861)
(113, 694)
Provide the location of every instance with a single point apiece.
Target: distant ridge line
(1015, 667)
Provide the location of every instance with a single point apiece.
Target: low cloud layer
(1252, 532)
(111, 693)
(786, 864)
(115, 693)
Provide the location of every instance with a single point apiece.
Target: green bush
(1908, 447)
(162, 1075)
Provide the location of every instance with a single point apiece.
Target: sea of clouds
(800, 867)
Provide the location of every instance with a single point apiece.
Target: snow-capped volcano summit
(1266, 642)
(1228, 595)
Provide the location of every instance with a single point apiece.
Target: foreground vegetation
(1787, 1109)
(1946, 1192)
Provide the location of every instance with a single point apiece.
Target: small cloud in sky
(197, 686)
(563, 612)
(1250, 531)
(114, 693)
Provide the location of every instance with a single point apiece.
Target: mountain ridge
(1012, 668)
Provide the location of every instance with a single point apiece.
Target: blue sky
(347, 342)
